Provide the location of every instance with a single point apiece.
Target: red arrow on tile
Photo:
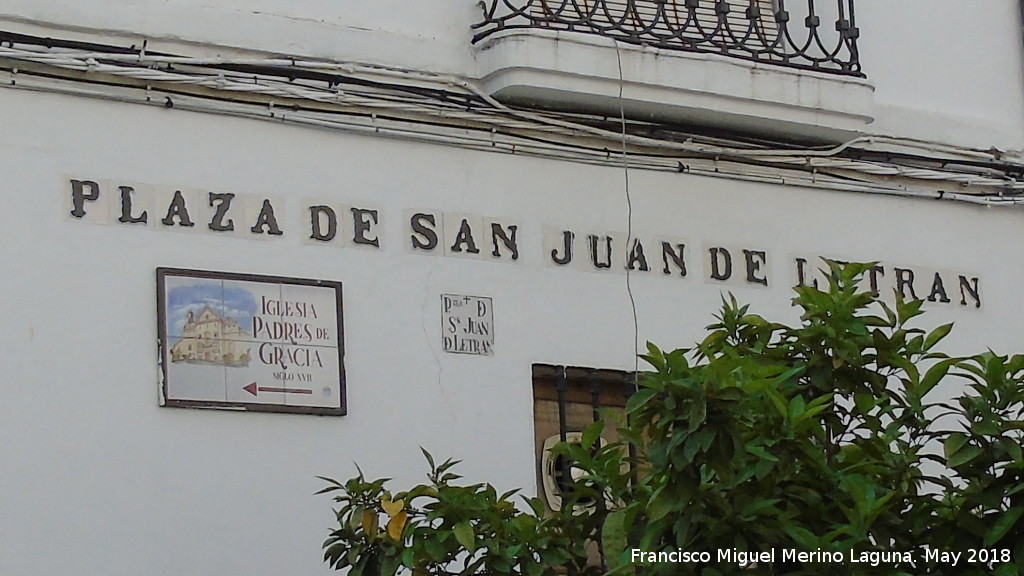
(255, 390)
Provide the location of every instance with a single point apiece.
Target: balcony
(786, 69)
(758, 30)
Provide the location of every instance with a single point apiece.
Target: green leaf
(1014, 449)
(464, 535)
(430, 459)
(661, 506)
(779, 402)
(409, 557)
(953, 443)
(964, 455)
(986, 428)
(936, 335)
(761, 453)
(760, 505)
(690, 449)
(613, 534)
(797, 406)
(1003, 525)
(801, 536)
(435, 549)
(355, 518)
(864, 402)
(890, 315)
(655, 357)
(1009, 569)
(640, 399)
(933, 376)
(698, 413)
(592, 433)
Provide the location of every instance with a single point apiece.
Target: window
(566, 400)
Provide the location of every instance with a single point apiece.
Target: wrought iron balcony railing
(790, 34)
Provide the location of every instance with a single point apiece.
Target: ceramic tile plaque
(467, 325)
(246, 342)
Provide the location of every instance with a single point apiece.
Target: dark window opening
(566, 401)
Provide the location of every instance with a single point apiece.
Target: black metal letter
(801, 277)
(716, 273)
(465, 236)
(79, 196)
(429, 241)
(222, 202)
(360, 226)
(873, 273)
(667, 252)
(938, 290)
(567, 238)
(126, 208)
(316, 231)
(267, 220)
(607, 251)
(509, 240)
(965, 289)
(755, 259)
(178, 210)
(904, 280)
(636, 255)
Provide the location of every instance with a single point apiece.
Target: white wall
(942, 72)
(99, 480)
(430, 35)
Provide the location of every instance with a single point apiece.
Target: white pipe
(498, 117)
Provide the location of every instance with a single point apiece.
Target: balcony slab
(586, 73)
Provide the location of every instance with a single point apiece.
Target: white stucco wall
(941, 72)
(424, 35)
(945, 72)
(99, 480)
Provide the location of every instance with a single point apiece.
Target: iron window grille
(792, 34)
(567, 400)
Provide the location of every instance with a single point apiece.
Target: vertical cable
(633, 455)
(599, 503)
(564, 471)
(561, 385)
(629, 220)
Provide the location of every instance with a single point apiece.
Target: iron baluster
(696, 26)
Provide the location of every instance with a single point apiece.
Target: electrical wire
(502, 143)
(629, 225)
(449, 109)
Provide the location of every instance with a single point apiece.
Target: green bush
(823, 438)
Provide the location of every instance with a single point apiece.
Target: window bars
(791, 34)
(567, 400)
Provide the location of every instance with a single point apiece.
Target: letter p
(83, 191)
